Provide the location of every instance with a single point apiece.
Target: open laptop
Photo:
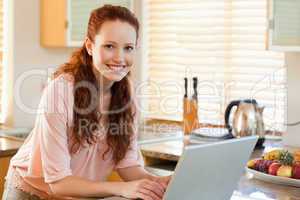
(209, 171)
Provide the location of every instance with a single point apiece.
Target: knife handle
(195, 83)
(185, 87)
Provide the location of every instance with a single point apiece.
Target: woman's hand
(162, 180)
(144, 189)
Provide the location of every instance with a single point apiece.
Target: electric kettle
(247, 119)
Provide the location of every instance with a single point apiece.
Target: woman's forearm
(76, 186)
(135, 173)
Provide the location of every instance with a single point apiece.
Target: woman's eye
(108, 46)
(129, 48)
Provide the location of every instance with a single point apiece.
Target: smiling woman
(86, 124)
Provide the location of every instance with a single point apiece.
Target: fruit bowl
(277, 166)
(273, 179)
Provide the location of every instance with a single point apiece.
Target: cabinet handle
(66, 24)
(271, 24)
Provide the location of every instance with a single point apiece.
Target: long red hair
(80, 67)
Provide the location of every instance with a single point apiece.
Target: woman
(85, 125)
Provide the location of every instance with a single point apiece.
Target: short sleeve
(52, 119)
(133, 155)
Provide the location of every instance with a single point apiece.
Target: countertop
(169, 146)
(248, 187)
(9, 146)
(11, 139)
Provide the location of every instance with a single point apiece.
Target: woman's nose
(119, 56)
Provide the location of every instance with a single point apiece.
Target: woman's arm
(78, 187)
(134, 173)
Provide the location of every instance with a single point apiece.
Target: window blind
(223, 44)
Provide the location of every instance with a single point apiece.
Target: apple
(274, 168)
(264, 166)
(296, 171)
(285, 171)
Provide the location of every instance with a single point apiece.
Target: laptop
(209, 171)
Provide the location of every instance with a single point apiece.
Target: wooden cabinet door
(4, 163)
(53, 23)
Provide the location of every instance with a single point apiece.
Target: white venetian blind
(222, 42)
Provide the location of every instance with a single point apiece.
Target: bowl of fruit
(277, 166)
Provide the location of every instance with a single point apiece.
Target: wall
(26, 54)
(292, 137)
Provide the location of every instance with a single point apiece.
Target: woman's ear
(88, 46)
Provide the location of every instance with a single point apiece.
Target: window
(223, 43)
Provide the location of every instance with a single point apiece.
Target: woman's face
(113, 49)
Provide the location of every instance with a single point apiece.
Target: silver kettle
(247, 119)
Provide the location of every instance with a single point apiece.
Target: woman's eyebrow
(129, 44)
(110, 42)
(113, 42)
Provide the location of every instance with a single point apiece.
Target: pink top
(45, 155)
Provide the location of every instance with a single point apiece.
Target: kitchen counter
(171, 150)
(169, 147)
(9, 145)
(11, 139)
(248, 187)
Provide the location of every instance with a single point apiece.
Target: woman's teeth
(116, 67)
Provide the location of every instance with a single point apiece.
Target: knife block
(190, 115)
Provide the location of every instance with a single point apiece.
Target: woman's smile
(115, 67)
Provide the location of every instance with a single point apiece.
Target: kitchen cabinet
(4, 163)
(284, 25)
(63, 23)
